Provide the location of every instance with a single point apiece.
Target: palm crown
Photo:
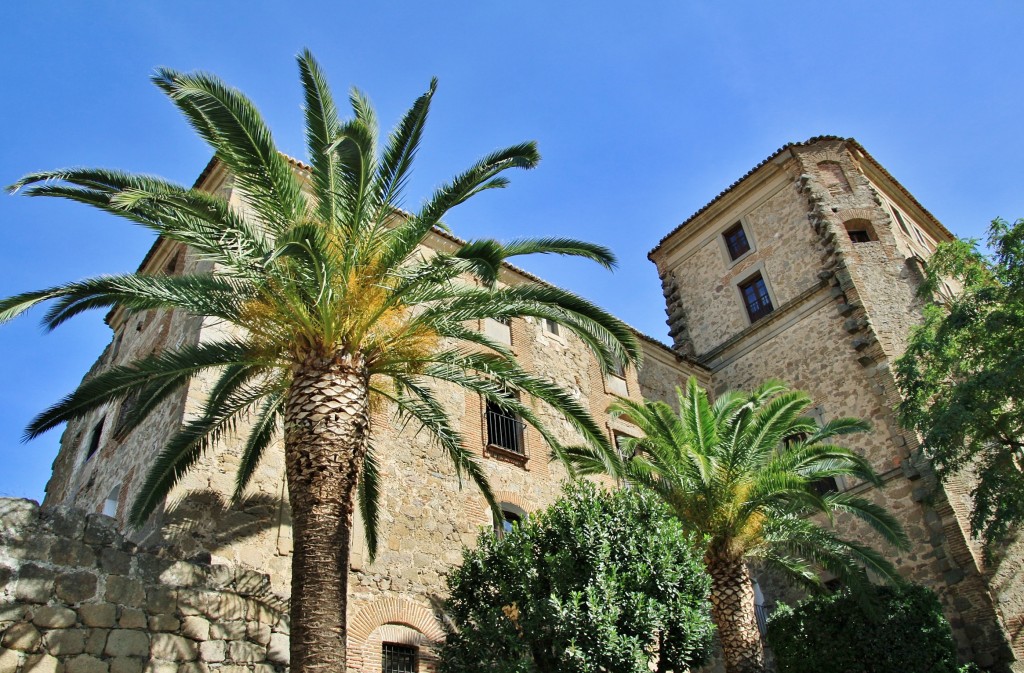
(336, 301)
(740, 472)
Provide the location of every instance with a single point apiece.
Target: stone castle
(806, 269)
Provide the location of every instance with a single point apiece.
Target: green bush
(886, 630)
(600, 581)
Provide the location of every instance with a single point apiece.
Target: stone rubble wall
(77, 597)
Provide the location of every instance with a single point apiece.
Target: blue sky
(643, 113)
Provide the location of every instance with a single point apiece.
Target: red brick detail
(393, 611)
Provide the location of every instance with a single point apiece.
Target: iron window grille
(504, 429)
(756, 298)
(736, 241)
(397, 658)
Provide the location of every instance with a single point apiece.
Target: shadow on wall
(77, 596)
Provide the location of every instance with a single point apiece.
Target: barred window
(397, 658)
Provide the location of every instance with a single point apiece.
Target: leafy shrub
(886, 630)
(600, 581)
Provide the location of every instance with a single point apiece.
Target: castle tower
(807, 270)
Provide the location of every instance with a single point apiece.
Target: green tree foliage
(741, 473)
(600, 581)
(897, 629)
(332, 305)
(961, 376)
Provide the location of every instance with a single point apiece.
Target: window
(509, 519)
(736, 241)
(397, 658)
(859, 236)
(860, 230)
(504, 429)
(94, 439)
(618, 369)
(825, 485)
(755, 297)
(112, 501)
(550, 326)
(899, 220)
(498, 330)
(124, 413)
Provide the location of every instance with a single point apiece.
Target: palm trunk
(732, 609)
(326, 432)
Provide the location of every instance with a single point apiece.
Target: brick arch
(394, 611)
(513, 498)
(856, 214)
(824, 155)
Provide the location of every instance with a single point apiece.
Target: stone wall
(77, 597)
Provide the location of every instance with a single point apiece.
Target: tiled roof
(774, 155)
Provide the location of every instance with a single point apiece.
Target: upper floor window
(736, 241)
(900, 221)
(551, 326)
(860, 231)
(756, 297)
(110, 505)
(94, 439)
(499, 330)
(397, 658)
(504, 429)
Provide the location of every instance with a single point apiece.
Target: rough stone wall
(77, 597)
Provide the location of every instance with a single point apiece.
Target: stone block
(195, 628)
(234, 668)
(172, 648)
(244, 651)
(35, 584)
(22, 637)
(9, 660)
(65, 522)
(252, 583)
(279, 649)
(227, 631)
(101, 615)
(230, 606)
(132, 619)
(258, 633)
(183, 574)
(263, 668)
(126, 665)
(161, 601)
(42, 663)
(17, 513)
(220, 576)
(157, 666)
(193, 667)
(85, 663)
(163, 623)
(115, 562)
(127, 643)
(12, 612)
(125, 591)
(74, 554)
(65, 642)
(75, 587)
(96, 641)
(32, 546)
(150, 566)
(213, 651)
(54, 617)
(101, 530)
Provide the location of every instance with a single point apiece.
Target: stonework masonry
(840, 313)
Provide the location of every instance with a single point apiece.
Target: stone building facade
(805, 270)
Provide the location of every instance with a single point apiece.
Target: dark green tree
(961, 376)
(600, 581)
(332, 304)
(896, 629)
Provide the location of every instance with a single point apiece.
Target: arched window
(511, 515)
(860, 231)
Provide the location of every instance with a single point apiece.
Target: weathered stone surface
(52, 617)
(258, 633)
(22, 637)
(35, 584)
(9, 660)
(163, 623)
(63, 642)
(98, 614)
(195, 628)
(74, 554)
(157, 666)
(132, 619)
(126, 665)
(75, 587)
(161, 600)
(213, 651)
(12, 612)
(278, 650)
(96, 641)
(101, 530)
(193, 667)
(17, 514)
(227, 630)
(182, 574)
(42, 663)
(127, 643)
(263, 668)
(125, 591)
(115, 562)
(240, 650)
(172, 648)
(85, 663)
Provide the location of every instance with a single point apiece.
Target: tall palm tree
(741, 474)
(336, 306)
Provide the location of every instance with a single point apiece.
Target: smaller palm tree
(742, 472)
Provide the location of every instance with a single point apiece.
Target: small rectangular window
(94, 440)
(859, 236)
(900, 221)
(113, 500)
(397, 658)
(825, 486)
(756, 298)
(504, 429)
(551, 326)
(736, 241)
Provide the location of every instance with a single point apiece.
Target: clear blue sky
(643, 113)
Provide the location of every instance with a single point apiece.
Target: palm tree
(336, 306)
(741, 473)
